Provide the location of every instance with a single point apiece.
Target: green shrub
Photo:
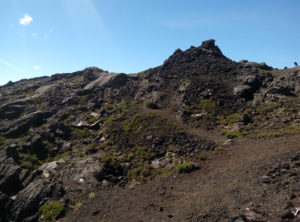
(209, 106)
(111, 164)
(51, 211)
(233, 134)
(29, 160)
(90, 148)
(27, 164)
(287, 130)
(267, 107)
(185, 167)
(149, 104)
(92, 195)
(140, 173)
(137, 123)
(291, 129)
(229, 119)
(218, 149)
(185, 83)
(142, 154)
(264, 72)
(202, 156)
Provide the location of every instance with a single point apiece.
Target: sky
(44, 37)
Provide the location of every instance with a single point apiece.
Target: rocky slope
(69, 139)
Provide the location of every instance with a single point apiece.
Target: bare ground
(227, 186)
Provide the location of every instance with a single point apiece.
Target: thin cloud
(11, 66)
(26, 20)
(36, 67)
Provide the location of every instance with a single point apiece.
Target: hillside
(199, 138)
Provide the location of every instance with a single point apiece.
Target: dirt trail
(225, 186)
(214, 135)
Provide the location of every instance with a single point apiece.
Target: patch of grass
(90, 148)
(92, 195)
(149, 104)
(27, 164)
(78, 205)
(119, 111)
(185, 83)
(218, 149)
(111, 164)
(291, 129)
(229, 119)
(185, 167)
(110, 119)
(51, 211)
(139, 173)
(287, 130)
(209, 106)
(29, 160)
(233, 134)
(267, 107)
(81, 133)
(143, 154)
(202, 156)
(137, 123)
(140, 159)
(263, 71)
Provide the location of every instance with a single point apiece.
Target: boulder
(43, 90)
(89, 171)
(287, 84)
(12, 176)
(228, 142)
(12, 110)
(67, 146)
(257, 99)
(252, 80)
(243, 91)
(49, 168)
(4, 206)
(107, 79)
(29, 200)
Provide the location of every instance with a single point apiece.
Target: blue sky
(43, 37)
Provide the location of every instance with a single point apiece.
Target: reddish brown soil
(226, 185)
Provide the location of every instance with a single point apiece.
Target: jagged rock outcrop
(12, 177)
(21, 125)
(28, 201)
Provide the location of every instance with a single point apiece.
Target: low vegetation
(185, 167)
(51, 211)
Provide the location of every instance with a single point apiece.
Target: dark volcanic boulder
(89, 172)
(243, 91)
(12, 110)
(28, 201)
(4, 206)
(12, 176)
(22, 191)
(286, 84)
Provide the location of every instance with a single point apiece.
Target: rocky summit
(199, 138)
